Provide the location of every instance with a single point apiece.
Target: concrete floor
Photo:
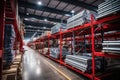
(35, 68)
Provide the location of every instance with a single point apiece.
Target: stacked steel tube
(55, 53)
(83, 63)
(80, 18)
(108, 7)
(111, 46)
(57, 28)
(9, 38)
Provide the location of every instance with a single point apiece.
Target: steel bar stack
(55, 53)
(83, 63)
(9, 38)
(111, 46)
(57, 28)
(80, 18)
(45, 50)
(108, 7)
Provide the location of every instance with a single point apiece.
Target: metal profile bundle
(55, 52)
(45, 50)
(111, 46)
(57, 28)
(108, 7)
(80, 18)
(83, 63)
(9, 38)
(96, 62)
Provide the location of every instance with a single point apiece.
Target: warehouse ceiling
(41, 15)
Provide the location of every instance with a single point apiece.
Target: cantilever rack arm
(19, 38)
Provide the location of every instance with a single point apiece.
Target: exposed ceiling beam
(31, 32)
(36, 28)
(28, 34)
(42, 8)
(81, 4)
(37, 24)
(22, 15)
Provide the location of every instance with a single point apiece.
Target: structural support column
(48, 45)
(2, 23)
(60, 46)
(93, 47)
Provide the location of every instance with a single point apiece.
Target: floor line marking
(59, 71)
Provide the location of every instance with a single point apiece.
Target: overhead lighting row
(40, 3)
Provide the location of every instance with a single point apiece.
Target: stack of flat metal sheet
(55, 52)
(80, 18)
(111, 46)
(108, 7)
(83, 63)
(57, 27)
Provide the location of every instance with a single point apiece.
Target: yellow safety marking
(59, 71)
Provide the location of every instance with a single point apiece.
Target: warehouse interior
(59, 39)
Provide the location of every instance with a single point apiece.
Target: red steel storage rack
(90, 28)
(7, 16)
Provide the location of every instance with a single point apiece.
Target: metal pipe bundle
(45, 50)
(9, 38)
(55, 52)
(83, 63)
(80, 18)
(108, 7)
(111, 46)
(57, 28)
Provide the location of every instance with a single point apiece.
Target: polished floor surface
(35, 67)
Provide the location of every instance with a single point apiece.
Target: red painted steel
(5, 13)
(101, 54)
(60, 45)
(93, 47)
(67, 34)
(15, 23)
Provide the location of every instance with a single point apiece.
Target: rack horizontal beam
(81, 4)
(22, 15)
(37, 24)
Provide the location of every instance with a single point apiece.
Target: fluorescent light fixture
(72, 11)
(45, 20)
(54, 23)
(27, 13)
(67, 15)
(39, 3)
(30, 26)
(44, 27)
(25, 19)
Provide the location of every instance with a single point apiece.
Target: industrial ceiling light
(72, 11)
(45, 20)
(25, 19)
(67, 15)
(27, 13)
(54, 23)
(39, 3)
(30, 26)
